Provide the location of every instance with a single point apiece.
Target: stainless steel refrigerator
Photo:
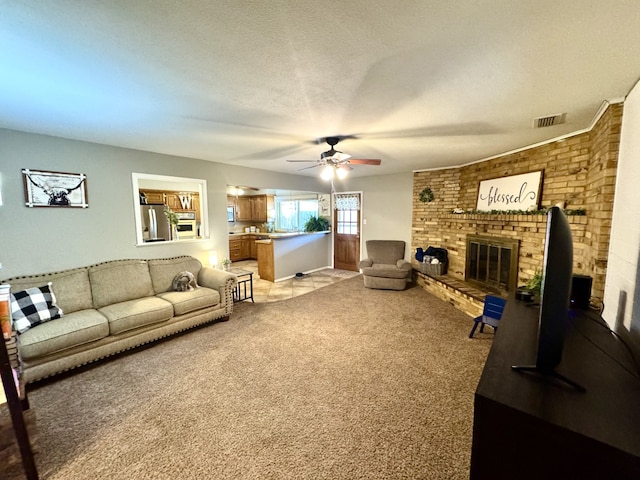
(155, 224)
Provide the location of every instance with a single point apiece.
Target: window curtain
(347, 201)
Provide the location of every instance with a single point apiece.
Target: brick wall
(578, 170)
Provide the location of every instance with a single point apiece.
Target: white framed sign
(516, 192)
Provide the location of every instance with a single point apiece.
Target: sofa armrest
(403, 264)
(223, 282)
(366, 262)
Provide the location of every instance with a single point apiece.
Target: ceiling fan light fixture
(341, 172)
(327, 172)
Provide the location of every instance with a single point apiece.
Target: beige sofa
(114, 306)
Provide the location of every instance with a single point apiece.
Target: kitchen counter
(282, 255)
(277, 235)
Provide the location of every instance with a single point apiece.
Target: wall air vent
(549, 120)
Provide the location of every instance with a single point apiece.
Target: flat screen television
(555, 296)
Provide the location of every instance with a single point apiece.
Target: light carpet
(340, 383)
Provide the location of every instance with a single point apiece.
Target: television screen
(555, 295)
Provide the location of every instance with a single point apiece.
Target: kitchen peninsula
(282, 255)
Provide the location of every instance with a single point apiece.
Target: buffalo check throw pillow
(33, 306)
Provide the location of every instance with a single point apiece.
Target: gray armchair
(385, 267)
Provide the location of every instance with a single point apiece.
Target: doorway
(346, 239)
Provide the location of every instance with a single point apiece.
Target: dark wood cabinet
(528, 426)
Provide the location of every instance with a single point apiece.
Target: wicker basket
(433, 269)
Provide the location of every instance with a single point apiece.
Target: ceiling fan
(337, 162)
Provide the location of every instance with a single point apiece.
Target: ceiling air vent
(548, 121)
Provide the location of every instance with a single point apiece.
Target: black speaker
(581, 291)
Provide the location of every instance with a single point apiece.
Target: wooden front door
(346, 239)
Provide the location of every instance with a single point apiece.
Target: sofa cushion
(385, 270)
(119, 281)
(74, 329)
(185, 302)
(164, 270)
(73, 291)
(136, 313)
(33, 306)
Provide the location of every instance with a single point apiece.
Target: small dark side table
(244, 287)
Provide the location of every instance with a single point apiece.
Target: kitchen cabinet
(243, 209)
(172, 200)
(235, 249)
(252, 208)
(242, 247)
(154, 196)
(259, 208)
(253, 252)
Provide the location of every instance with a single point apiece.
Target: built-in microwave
(231, 217)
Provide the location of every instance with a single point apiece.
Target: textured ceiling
(419, 84)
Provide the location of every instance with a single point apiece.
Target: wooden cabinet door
(259, 208)
(253, 251)
(243, 209)
(173, 202)
(246, 247)
(235, 249)
(154, 197)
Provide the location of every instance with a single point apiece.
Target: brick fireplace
(579, 171)
(492, 262)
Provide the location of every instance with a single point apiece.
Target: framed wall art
(516, 192)
(54, 189)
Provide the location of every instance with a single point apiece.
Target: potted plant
(316, 224)
(532, 289)
(173, 221)
(226, 264)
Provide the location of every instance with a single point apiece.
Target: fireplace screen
(492, 262)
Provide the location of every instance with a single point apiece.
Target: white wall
(622, 290)
(387, 202)
(37, 240)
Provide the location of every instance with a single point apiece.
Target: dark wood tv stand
(528, 426)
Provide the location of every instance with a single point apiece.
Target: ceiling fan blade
(365, 161)
(315, 161)
(341, 157)
(306, 168)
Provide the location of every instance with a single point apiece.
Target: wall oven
(187, 225)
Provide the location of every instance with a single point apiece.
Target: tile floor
(265, 291)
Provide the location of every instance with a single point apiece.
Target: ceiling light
(327, 173)
(341, 172)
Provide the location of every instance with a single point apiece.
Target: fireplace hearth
(492, 262)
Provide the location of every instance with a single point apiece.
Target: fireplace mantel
(491, 217)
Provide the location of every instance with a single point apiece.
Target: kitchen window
(291, 215)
